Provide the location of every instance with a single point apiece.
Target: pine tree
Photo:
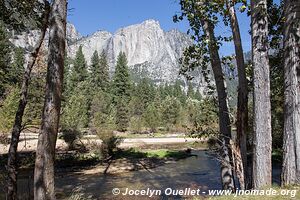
(178, 92)
(8, 109)
(152, 117)
(171, 108)
(121, 91)
(99, 76)
(121, 81)
(75, 115)
(79, 71)
(17, 69)
(190, 91)
(122, 114)
(144, 92)
(104, 72)
(198, 95)
(67, 76)
(94, 73)
(4, 58)
(101, 111)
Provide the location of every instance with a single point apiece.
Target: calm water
(198, 172)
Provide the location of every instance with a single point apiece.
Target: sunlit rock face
(150, 51)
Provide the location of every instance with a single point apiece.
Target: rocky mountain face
(151, 52)
(28, 39)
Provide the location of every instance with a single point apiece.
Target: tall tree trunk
(45, 154)
(262, 165)
(242, 107)
(224, 120)
(291, 137)
(17, 127)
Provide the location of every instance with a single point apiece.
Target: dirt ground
(28, 142)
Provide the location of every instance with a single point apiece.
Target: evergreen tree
(102, 111)
(190, 92)
(75, 115)
(4, 58)
(94, 73)
(122, 114)
(121, 91)
(152, 117)
(79, 71)
(8, 109)
(198, 95)
(121, 81)
(144, 93)
(104, 72)
(99, 71)
(171, 108)
(178, 92)
(67, 75)
(17, 69)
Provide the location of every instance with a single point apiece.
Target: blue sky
(89, 16)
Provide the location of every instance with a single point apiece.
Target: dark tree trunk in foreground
(224, 120)
(45, 154)
(242, 107)
(291, 137)
(17, 127)
(262, 149)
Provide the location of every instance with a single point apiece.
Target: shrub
(8, 110)
(109, 143)
(70, 136)
(4, 139)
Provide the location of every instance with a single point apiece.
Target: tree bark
(45, 155)
(224, 120)
(17, 127)
(242, 107)
(262, 165)
(291, 136)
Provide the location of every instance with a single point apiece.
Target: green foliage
(4, 139)
(70, 136)
(178, 91)
(67, 78)
(121, 80)
(102, 111)
(99, 75)
(122, 114)
(5, 50)
(197, 55)
(276, 61)
(121, 91)
(142, 95)
(104, 72)
(136, 124)
(17, 68)
(75, 113)
(109, 143)
(152, 117)
(171, 108)
(190, 92)
(35, 104)
(24, 15)
(8, 109)
(202, 117)
(79, 70)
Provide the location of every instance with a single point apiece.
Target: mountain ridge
(151, 51)
(146, 46)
